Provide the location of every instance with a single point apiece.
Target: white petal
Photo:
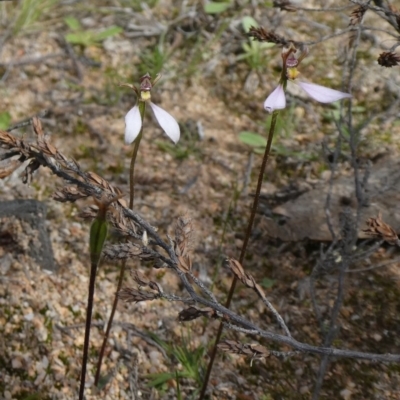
(276, 100)
(322, 93)
(167, 123)
(133, 124)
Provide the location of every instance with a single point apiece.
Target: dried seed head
(138, 278)
(130, 295)
(127, 250)
(357, 15)
(262, 35)
(124, 225)
(183, 239)
(156, 286)
(192, 313)
(388, 59)
(284, 5)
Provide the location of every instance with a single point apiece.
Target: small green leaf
(98, 235)
(267, 283)
(248, 22)
(5, 119)
(105, 380)
(83, 38)
(358, 109)
(216, 8)
(72, 23)
(252, 139)
(247, 48)
(259, 150)
(111, 31)
(160, 379)
(266, 45)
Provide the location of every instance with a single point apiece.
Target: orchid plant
(292, 57)
(133, 134)
(276, 101)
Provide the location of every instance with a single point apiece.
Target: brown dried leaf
(251, 350)
(260, 351)
(95, 178)
(258, 289)
(37, 127)
(246, 279)
(123, 203)
(184, 264)
(238, 270)
(29, 170)
(89, 212)
(47, 148)
(69, 194)
(378, 228)
(8, 167)
(8, 140)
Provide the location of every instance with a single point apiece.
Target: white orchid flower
(133, 123)
(133, 119)
(277, 99)
(292, 57)
(323, 94)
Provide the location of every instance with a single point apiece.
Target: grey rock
(305, 217)
(23, 232)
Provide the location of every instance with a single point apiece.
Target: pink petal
(276, 100)
(322, 93)
(167, 123)
(133, 124)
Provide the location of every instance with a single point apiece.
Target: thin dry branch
(44, 154)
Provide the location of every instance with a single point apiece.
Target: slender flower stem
(123, 266)
(93, 270)
(132, 169)
(244, 247)
(98, 235)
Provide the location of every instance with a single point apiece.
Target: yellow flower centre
(145, 95)
(292, 73)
